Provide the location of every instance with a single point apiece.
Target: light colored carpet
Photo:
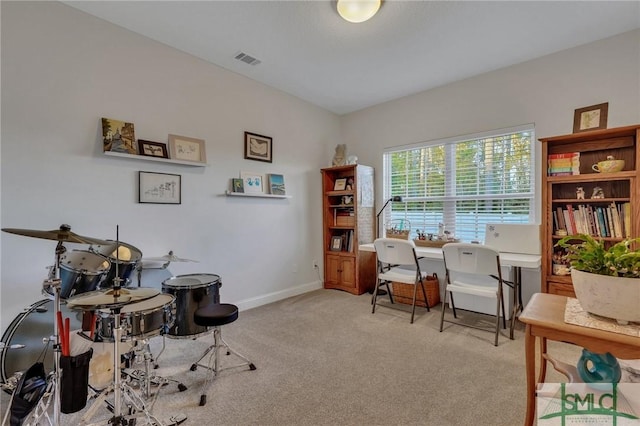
(322, 358)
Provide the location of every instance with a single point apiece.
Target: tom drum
(81, 271)
(126, 257)
(191, 291)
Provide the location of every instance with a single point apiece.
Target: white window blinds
(463, 183)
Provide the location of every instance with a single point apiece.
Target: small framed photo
(118, 136)
(252, 183)
(237, 185)
(258, 147)
(340, 184)
(336, 243)
(152, 149)
(187, 149)
(590, 118)
(276, 184)
(159, 188)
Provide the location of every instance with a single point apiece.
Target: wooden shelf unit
(349, 215)
(560, 191)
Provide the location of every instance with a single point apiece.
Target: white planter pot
(608, 296)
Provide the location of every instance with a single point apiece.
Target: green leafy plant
(587, 254)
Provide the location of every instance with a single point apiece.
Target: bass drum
(29, 328)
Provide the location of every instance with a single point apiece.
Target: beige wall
(544, 91)
(63, 70)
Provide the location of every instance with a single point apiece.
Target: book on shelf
(563, 164)
(627, 219)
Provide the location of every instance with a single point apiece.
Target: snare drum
(81, 271)
(191, 291)
(126, 257)
(140, 320)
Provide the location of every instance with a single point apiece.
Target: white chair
(474, 270)
(397, 261)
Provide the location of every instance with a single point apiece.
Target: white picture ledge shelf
(244, 194)
(156, 159)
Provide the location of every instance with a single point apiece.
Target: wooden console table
(544, 318)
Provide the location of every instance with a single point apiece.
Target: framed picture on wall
(258, 147)
(590, 118)
(159, 188)
(118, 136)
(187, 149)
(253, 183)
(152, 149)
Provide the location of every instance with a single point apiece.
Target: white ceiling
(307, 50)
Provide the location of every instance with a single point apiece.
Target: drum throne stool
(216, 315)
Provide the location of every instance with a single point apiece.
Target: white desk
(516, 260)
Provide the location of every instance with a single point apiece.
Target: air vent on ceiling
(247, 59)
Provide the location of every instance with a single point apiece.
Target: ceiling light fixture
(357, 11)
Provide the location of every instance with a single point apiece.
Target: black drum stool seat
(216, 315)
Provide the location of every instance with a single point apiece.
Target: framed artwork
(258, 147)
(118, 136)
(340, 184)
(252, 182)
(187, 149)
(590, 118)
(336, 243)
(159, 188)
(152, 149)
(237, 185)
(276, 184)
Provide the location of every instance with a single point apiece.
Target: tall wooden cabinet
(348, 220)
(562, 198)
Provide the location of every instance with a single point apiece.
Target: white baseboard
(278, 295)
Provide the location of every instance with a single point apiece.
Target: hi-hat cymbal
(63, 234)
(101, 299)
(167, 258)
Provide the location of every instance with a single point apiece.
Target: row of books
(565, 164)
(612, 221)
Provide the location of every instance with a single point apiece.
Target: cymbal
(101, 299)
(167, 258)
(63, 234)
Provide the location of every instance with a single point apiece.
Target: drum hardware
(62, 235)
(167, 259)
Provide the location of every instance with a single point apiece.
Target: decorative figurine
(339, 157)
(349, 185)
(597, 193)
(580, 193)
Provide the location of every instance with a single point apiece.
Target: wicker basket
(398, 228)
(403, 293)
(433, 243)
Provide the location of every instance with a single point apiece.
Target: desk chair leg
(374, 296)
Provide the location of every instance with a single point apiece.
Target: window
(463, 183)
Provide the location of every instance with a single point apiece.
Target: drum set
(90, 292)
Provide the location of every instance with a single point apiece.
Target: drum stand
(121, 390)
(53, 382)
(145, 378)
